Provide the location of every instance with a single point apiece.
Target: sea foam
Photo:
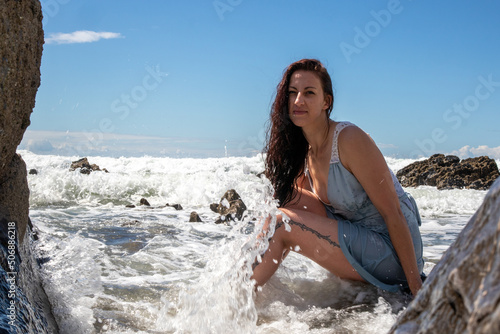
(108, 268)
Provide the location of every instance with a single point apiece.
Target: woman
(346, 209)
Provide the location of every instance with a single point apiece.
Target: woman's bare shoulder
(352, 135)
(355, 145)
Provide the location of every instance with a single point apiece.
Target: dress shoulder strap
(335, 147)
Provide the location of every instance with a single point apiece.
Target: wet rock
(85, 166)
(21, 45)
(175, 206)
(214, 207)
(130, 206)
(14, 195)
(34, 231)
(448, 172)
(230, 207)
(194, 218)
(33, 172)
(144, 201)
(462, 293)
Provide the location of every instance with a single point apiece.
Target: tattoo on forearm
(307, 228)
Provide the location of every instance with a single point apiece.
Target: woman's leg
(310, 234)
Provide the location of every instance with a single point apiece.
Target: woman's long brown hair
(286, 146)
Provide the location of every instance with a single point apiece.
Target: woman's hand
(415, 284)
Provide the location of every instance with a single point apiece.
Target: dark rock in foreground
(85, 166)
(21, 45)
(230, 207)
(462, 293)
(14, 195)
(448, 172)
(23, 301)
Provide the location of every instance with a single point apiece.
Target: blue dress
(363, 235)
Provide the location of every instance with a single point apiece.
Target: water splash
(222, 300)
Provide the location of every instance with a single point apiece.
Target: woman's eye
(310, 93)
(292, 92)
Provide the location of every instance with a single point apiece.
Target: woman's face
(306, 100)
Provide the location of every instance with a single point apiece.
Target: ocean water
(112, 269)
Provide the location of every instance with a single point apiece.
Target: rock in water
(462, 293)
(85, 166)
(175, 206)
(448, 172)
(144, 201)
(230, 207)
(195, 218)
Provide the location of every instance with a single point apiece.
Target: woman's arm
(360, 155)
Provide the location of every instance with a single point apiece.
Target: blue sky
(197, 78)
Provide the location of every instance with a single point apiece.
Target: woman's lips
(299, 112)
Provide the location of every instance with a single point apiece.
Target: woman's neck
(317, 137)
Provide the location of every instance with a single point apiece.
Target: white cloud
(81, 36)
(468, 151)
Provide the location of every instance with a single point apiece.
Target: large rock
(21, 45)
(448, 172)
(22, 297)
(14, 195)
(462, 293)
(24, 304)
